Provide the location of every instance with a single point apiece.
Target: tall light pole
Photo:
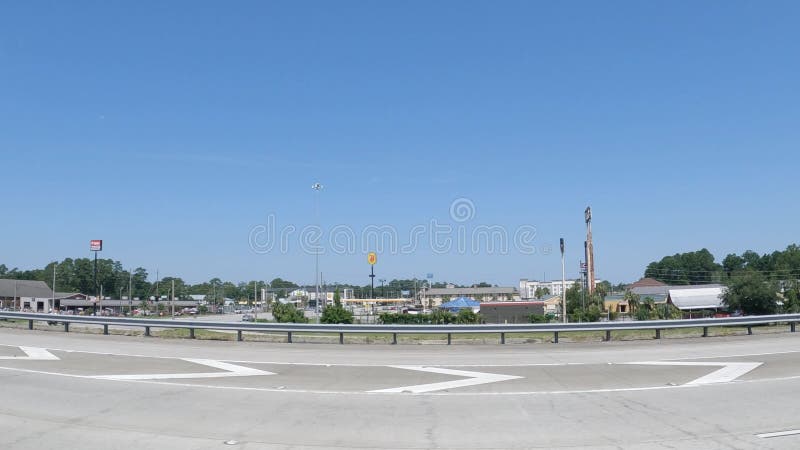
(55, 265)
(316, 187)
(130, 292)
(563, 285)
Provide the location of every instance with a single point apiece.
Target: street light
(563, 286)
(316, 187)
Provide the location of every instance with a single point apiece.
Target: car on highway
(248, 318)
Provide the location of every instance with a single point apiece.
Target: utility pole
(55, 264)
(589, 251)
(130, 292)
(563, 285)
(173, 299)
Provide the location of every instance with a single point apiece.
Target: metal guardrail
(449, 330)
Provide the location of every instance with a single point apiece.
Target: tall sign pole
(563, 285)
(589, 251)
(316, 187)
(372, 258)
(96, 245)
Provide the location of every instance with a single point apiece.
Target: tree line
(700, 267)
(77, 276)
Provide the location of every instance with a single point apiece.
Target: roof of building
(472, 291)
(511, 304)
(646, 282)
(699, 298)
(24, 288)
(459, 303)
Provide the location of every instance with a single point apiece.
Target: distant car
(248, 318)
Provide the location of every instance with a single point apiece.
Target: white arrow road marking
(475, 378)
(231, 370)
(729, 371)
(778, 434)
(34, 354)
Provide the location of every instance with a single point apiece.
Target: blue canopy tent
(460, 303)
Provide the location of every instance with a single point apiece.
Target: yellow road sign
(372, 258)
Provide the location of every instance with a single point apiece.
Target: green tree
(336, 313)
(685, 268)
(541, 292)
(633, 301)
(441, 317)
(287, 313)
(751, 294)
(467, 316)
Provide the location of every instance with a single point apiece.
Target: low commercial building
(29, 295)
(437, 296)
(510, 312)
(696, 299)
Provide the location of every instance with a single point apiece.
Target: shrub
(467, 316)
(336, 313)
(288, 313)
(538, 318)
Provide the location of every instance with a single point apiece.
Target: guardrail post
(394, 337)
(502, 338)
(30, 324)
(66, 327)
(705, 331)
(449, 338)
(749, 330)
(658, 333)
(239, 335)
(608, 335)
(289, 336)
(105, 328)
(191, 333)
(341, 338)
(792, 326)
(555, 337)
(147, 331)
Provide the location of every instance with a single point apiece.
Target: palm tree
(633, 301)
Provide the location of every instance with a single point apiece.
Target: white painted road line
(729, 371)
(34, 354)
(475, 378)
(778, 434)
(231, 370)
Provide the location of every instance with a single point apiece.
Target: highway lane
(118, 392)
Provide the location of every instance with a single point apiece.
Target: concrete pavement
(122, 392)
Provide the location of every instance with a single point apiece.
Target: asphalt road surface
(69, 391)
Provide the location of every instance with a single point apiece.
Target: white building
(527, 288)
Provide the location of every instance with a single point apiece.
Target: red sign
(96, 245)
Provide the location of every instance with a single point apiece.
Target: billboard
(96, 245)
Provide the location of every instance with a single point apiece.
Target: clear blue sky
(171, 129)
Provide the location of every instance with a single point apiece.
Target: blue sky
(172, 129)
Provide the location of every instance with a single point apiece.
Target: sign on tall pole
(372, 259)
(96, 245)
